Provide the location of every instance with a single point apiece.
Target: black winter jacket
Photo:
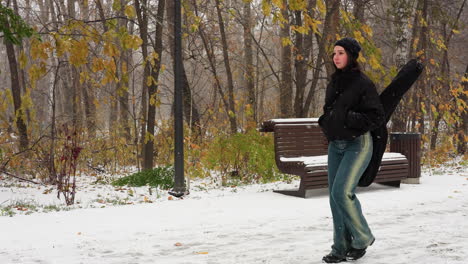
(352, 106)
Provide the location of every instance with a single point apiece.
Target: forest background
(86, 86)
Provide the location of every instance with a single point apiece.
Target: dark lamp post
(179, 186)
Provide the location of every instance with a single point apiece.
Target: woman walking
(352, 109)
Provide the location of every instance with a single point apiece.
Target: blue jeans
(347, 160)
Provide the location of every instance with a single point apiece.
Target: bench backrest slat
(299, 139)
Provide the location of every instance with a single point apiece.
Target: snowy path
(424, 223)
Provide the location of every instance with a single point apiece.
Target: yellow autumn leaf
(297, 5)
(84, 76)
(39, 50)
(266, 7)
(345, 16)
(374, 63)
(149, 80)
(368, 30)
(79, 52)
(130, 11)
(361, 59)
(154, 100)
(455, 31)
(202, 253)
(441, 44)
(116, 5)
(154, 55)
(193, 28)
(279, 17)
(131, 42)
(311, 23)
(278, 3)
(61, 46)
(109, 65)
(97, 65)
(321, 7)
(286, 41)
(358, 36)
(111, 50)
(22, 59)
(338, 36)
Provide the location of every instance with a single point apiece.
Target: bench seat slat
(296, 145)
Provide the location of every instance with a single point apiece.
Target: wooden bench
(301, 149)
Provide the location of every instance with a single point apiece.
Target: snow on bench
(323, 159)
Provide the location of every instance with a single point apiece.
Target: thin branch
(19, 178)
(22, 151)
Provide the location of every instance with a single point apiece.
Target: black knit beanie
(350, 45)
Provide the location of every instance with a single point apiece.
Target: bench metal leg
(392, 183)
(411, 181)
(297, 192)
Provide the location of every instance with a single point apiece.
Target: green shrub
(162, 177)
(249, 157)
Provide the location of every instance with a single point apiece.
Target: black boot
(357, 253)
(330, 258)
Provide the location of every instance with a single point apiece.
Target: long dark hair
(353, 64)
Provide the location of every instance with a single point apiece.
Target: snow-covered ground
(425, 223)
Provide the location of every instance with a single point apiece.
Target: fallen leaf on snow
(178, 244)
(201, 253)
(47, 191)
(79, 233)
(170, 198)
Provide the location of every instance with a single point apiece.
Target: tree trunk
(401, 13)
(286, 71)
(401, 30)
(423, 47)
(333, 30)
(358, 10)
(16, 92)
(143, 23)
(212, 62)
(300, 64)
(153, 88)
(334, 6)
(87, 90)
(463, 124)
(232, 111)
(445, 81)
(74, 81)
(122, 90)
(248, 57)
(307, 52)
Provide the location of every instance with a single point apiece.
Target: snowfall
(416, 223)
